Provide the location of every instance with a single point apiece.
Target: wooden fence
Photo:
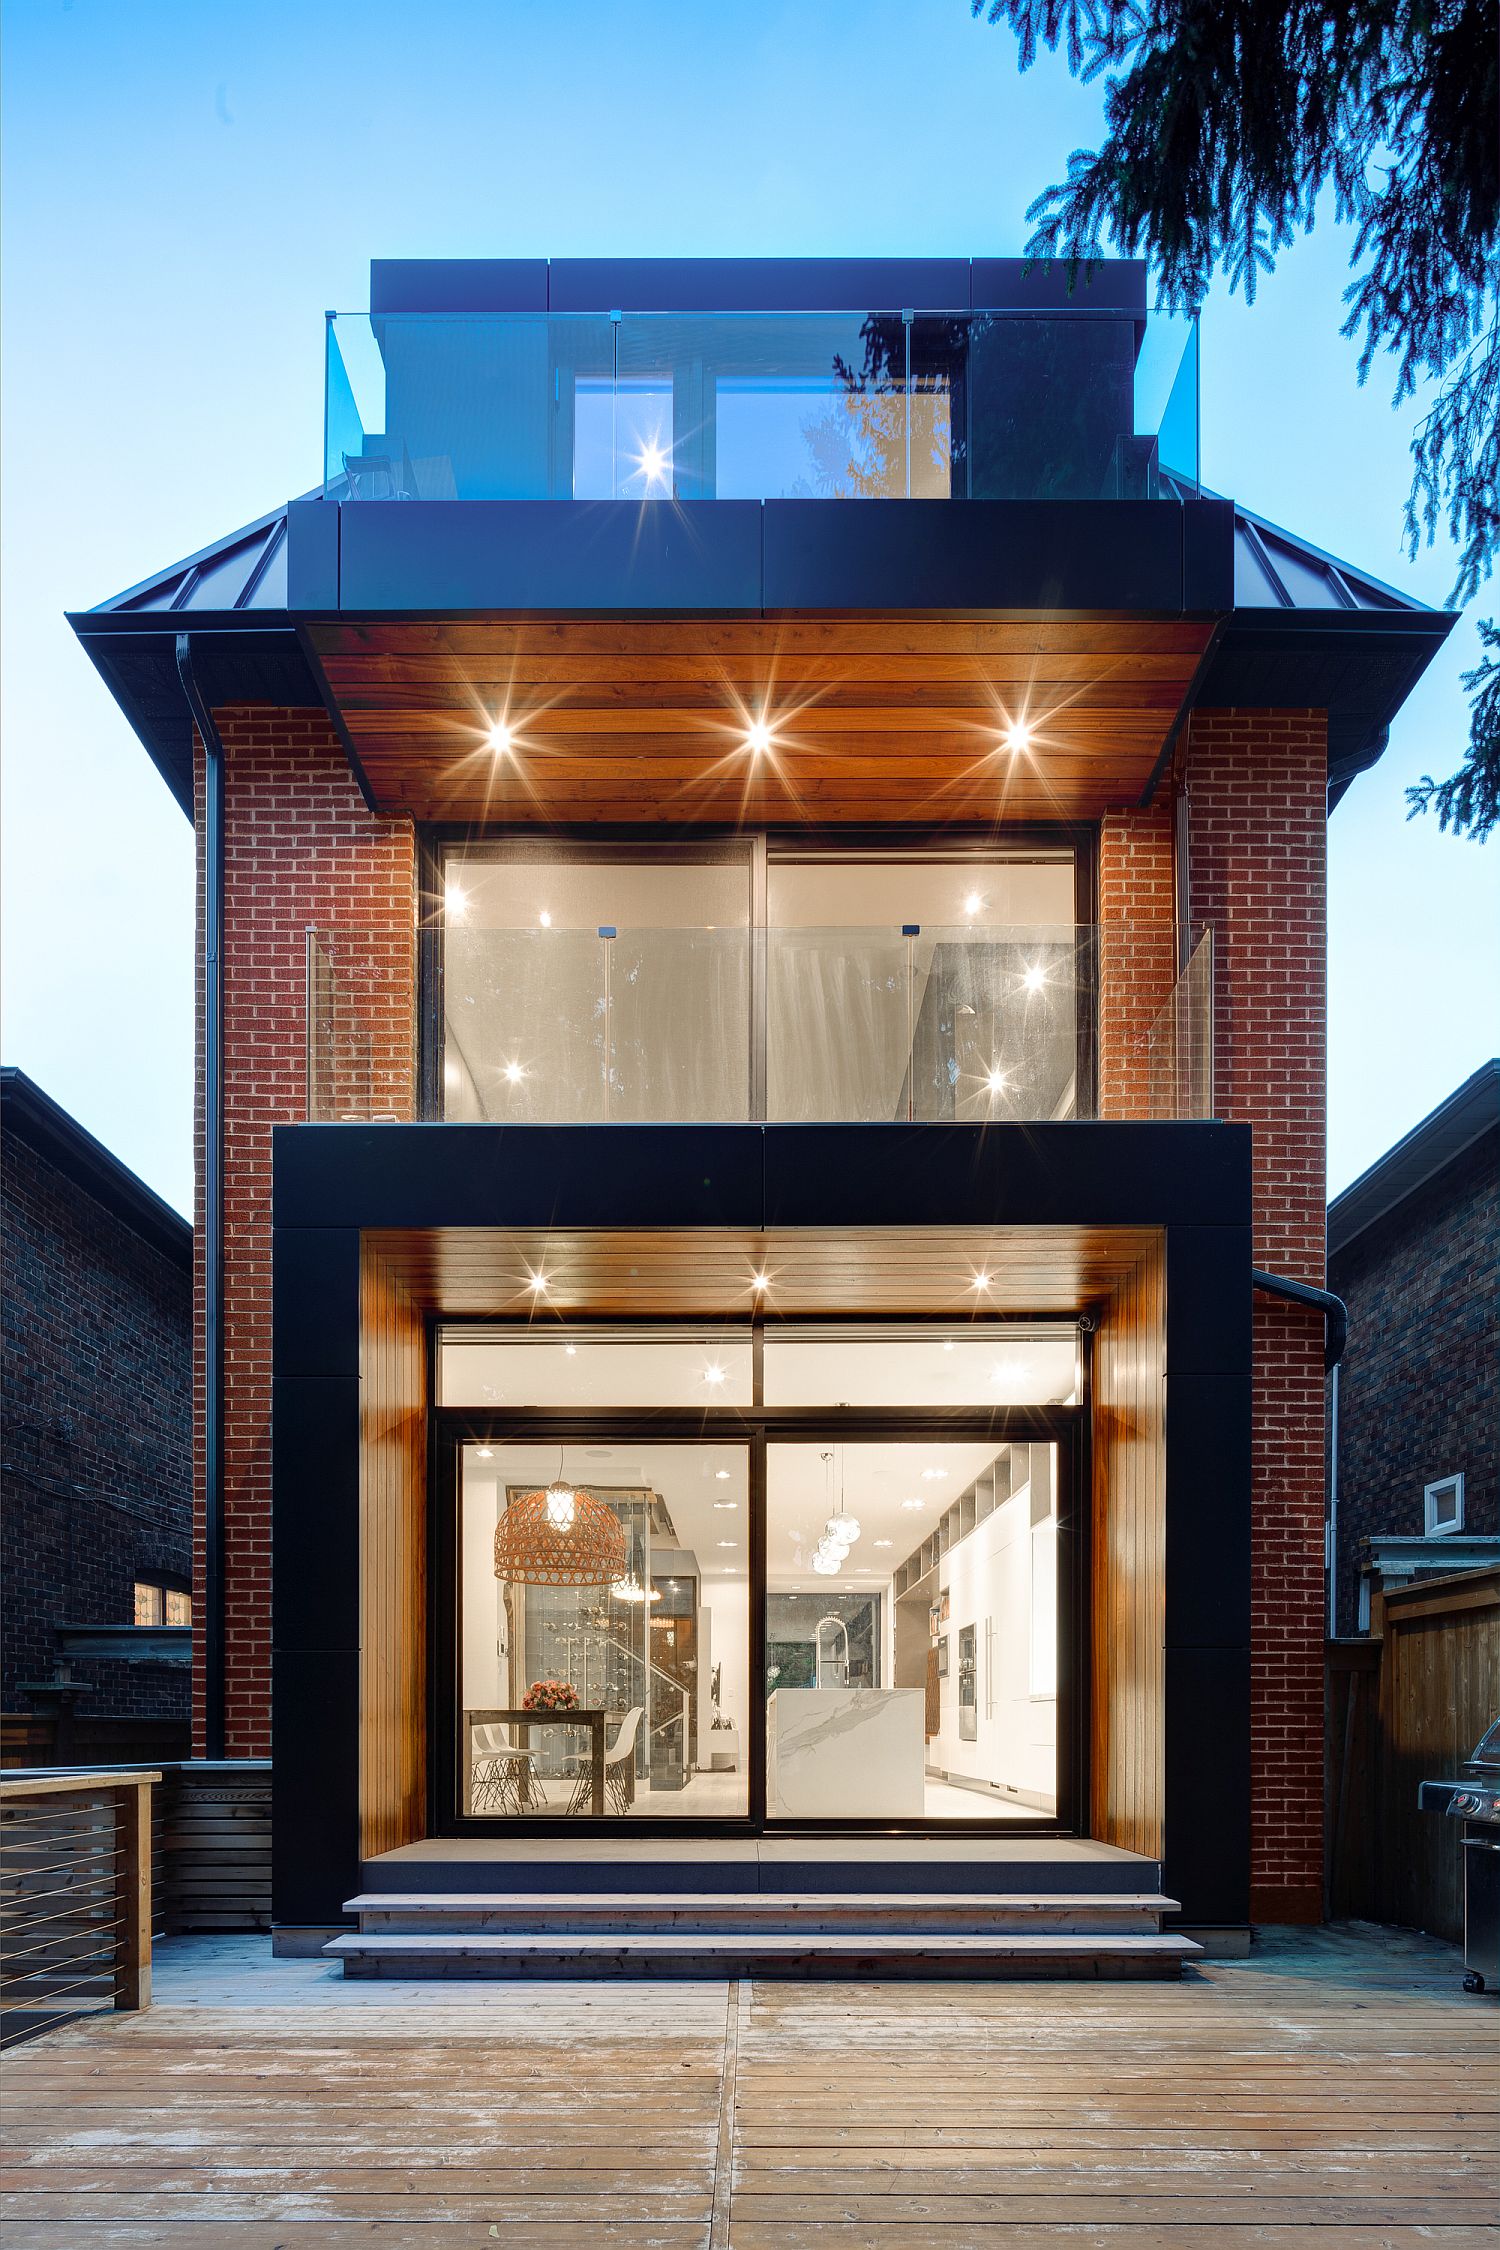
(1407, 1706)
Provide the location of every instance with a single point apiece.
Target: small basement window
(161, 1605)
(1443, 1505)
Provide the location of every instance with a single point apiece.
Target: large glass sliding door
(800, 1574)
(604, 1649)
(603, 983)
(912, 1627)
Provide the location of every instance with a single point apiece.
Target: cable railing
(75, 1896)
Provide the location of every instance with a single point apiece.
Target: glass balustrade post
(911, 931)
(906, 321)
(608, 934)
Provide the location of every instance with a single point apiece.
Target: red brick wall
(301, 848)
(1257, 828)
(1137, 950)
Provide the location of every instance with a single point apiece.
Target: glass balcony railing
(995, 405)
(919, 1024)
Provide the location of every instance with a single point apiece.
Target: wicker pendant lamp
(562, 1536)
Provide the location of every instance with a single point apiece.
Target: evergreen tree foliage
(1227, 121)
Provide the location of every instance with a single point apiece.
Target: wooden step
(414, 1912)
(857, 1955)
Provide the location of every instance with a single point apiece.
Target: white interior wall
(988, 1576)
(728, 1606)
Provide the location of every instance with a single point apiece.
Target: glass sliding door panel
(580, 989)
(586, 1692)
(924, 989)
(911, 1653)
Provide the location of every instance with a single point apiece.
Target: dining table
(588, 1716)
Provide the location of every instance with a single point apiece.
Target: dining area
(543, 1758)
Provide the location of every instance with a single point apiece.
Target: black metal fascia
(213, 1203)
(1335, 1312)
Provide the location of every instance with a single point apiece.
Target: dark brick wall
(1419, 1389)
(97, 1431)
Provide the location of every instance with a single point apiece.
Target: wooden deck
(1335, 2089)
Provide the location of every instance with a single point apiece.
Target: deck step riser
(569, 1967)
(747, 1918)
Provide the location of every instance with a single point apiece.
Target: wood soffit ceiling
(876, 1273)
(873, 718)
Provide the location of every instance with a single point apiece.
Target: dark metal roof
(1307, 631)
(44, 1125)
(1418, 1157)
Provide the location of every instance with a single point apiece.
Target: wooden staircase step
(675, 1911)
(728, 1953)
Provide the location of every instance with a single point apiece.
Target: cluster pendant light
(559, 1536)
(839, 1532)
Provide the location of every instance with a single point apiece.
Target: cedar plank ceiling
(874, 717)
(872, 1272)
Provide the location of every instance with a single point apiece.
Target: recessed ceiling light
(930, 1476)
(760, 1281)
(914, 1505)
(501, 739)
(545, 919)
(1017, 736)
(757, 737)
(486, 1452)
(980, 1281)
(947, 1343)
(885, 1542)
(514, 1073)
(726, 1503)
(973, 903)
(538, 1284)
(726, 1542)
(713, 1374)
(571, 1350)
(721, 1476)
(455, 901)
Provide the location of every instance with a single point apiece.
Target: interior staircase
(869, 1917)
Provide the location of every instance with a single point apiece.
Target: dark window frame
(717, 844)
(758, 1428)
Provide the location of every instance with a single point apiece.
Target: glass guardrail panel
(757, 406)
(997, 1022)
(524, 1026)
(678, 1025)
(838, 1025)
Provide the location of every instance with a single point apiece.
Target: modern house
(96, 1446)
(762, 1001)
(1414, 1406)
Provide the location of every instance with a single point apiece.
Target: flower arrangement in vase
(550, 1695)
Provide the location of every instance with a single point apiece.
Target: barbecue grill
(1475, 1800)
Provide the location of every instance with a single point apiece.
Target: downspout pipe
(1335, 1312)
(213, 1203)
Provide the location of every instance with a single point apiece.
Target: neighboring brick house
(1414, 1449)
(97, 1423)
(639, 900)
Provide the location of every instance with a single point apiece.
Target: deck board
(1332, 2089)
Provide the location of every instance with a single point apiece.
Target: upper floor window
(734, 982)
(1443, 1506)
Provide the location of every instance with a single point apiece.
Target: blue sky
(188, 183)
